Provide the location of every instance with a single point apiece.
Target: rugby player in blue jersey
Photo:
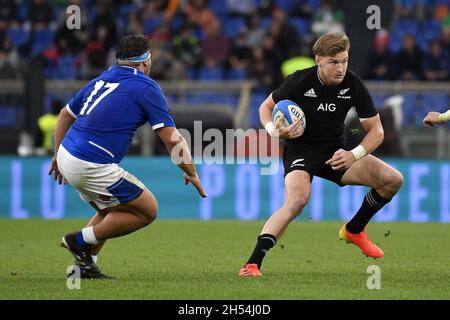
(92, 136)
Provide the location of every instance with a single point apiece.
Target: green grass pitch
(200, 260)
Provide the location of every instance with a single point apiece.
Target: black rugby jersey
(325, 107)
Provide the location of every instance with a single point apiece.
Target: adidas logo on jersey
(310, 93)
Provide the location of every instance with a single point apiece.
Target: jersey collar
(134, 70)
(318, 77)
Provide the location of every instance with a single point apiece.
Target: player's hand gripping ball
(291, 112)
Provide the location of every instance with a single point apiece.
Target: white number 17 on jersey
(98, 85)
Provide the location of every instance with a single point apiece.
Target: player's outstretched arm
(65, 120)
(181, 155)
(343, 159)
(276, 130)
(433, 118)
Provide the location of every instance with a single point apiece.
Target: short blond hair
(330, 44)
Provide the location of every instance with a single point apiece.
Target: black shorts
(312, 160)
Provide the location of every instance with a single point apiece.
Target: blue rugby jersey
(108, 111)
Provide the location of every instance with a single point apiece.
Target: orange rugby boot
(250, 270)
(362, 241)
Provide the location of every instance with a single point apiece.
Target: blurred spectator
(409, 9)
(167, 67)
(8, 10)
(302, 61)
(105, 20)
(95, 54)
(47, 126)
(301, 8)
(267, 7)
(409, 60)
(165, 8)
(379, 62)
(327, 19)
(271, 52)
(436, 67)
(215, 46)
(40, 14)
(186, 47)
(285, 35)
(199, 14)
(264, 71)
(445, 42)
(242, 8)
(255, 32)
(240, 54)
(161, 35)
(9, 60)
(135, 24)
(442, 10)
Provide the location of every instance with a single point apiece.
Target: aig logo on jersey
(327, 107)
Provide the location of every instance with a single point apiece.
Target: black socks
(265, 243)
(372, 203)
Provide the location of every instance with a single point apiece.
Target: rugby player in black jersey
(326, 93)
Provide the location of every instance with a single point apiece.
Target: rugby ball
(291, 112)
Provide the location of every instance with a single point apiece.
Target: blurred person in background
(379, 62)
(409, 60)
(47, 125)
(215, 46)
(436, 66)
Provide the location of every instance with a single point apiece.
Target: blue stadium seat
(210, 74)
(191, 73)
(236, 74)
(151, 24)
(266, 22)
(255, 101)
(300, 25)
(8, 116)
(232, 26)
(42, 40)
(284, 4)
(378, 100)
(219, 7)
(403, 27)
(314, 4)
(66, 68)
(395, 42)
(18, 37)
(409, 106)
(23, 11)
(202, 98)
(431, 30)
(176, 23)
(227, 99)
(436, 102)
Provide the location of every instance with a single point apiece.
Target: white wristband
(445, 117)
(270, 128)
(359, 152)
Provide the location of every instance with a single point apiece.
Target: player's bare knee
(393, 181)
(295, 206)
(150, 214)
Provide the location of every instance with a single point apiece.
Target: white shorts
(106, 185)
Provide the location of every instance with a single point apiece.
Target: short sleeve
(75, 104)
(363, 101)
(288, 89)
(155, 107)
